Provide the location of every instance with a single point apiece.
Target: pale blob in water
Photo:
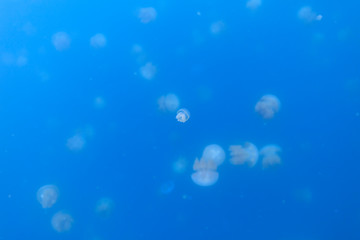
(169, 102)
(76, 143)
(270, 154)
(217, 27)
(241, 154)
(180, 165)
(205, 173)
(147, 14)
(214, 153)
(267, 106)
(104, 207)
(98, 40)
(61, 41)
(47, 195)
(62, 222)
(148, 71)
(183, 115)
(307, 15)
(253, 4)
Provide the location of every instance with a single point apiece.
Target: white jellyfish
(306, 14)
(180, 165)
(183, 115)
(98, 40)
(148, 71)
(241, 154)
(76, 142)
(267, 106)
(253, 4)
(270, 154)
(169, 102)
(214, 153)
(61, 41)
(99, 102)
(147, 14)
(104, 207)
(47, 195)
(205, 173)
(62, 222)
(217, 27)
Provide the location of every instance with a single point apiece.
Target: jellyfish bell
(253, 4)
(270, 155)
(307, 15)
(241, 154)
(61, 41)
(104, 207)
(267, 106)
(62, 222)
(215, 153)
(183, 115)
(147, 14)
(98, 40)
(47, 195)
(270, 149)
(204, 165)
(169, 102)
(205, 177)
(148, 71)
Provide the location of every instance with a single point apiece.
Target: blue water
(130, 146)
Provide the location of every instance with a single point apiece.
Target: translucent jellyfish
(306, 14)
(99, 102)
(253, 4)
(61, 41)
(183, 115)
(76, 142)
(179, 166)
(270, 154)
(148, 71)
(147, 15)
(248, 153)
(104, 207)
(62, 222)
(214, 153)
(167, 187)
(98, 40)
(169, 102)
(267, 106)
(217, 27)
(205, 173)
(47, 195)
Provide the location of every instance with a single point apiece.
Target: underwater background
(82, 85)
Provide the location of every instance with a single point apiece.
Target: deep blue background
(314, 69)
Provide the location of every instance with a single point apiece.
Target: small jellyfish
(170, 102)
(62, 222)
(47, 195)
(98, 40)
(148, 71)
(205, 173)
(76, 142)
(248, 153)
(267, 106)
(270, 155)
(183, 115)
(253, 4)
(215, 153)
(307, 15)
(99, 102)
(167, 187)
(104, 207)
(147, 14)
(179, 166)
(217, 27)
(61, 41)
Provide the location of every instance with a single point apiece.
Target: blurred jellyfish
(148, 71)
(205, 173)
(267, 106)
(270, 155)
(62, 222)
(183, 115)
(61, 41)
(99, 102)
(47, 195)
(104, 207)
(179, 166)
(253, 4)
(248, 153)
(214, 153)
(169, 102)
(76, 142)
(98, 40)
(167, 187)
(306, 14)
(217, 27)
(147, 15)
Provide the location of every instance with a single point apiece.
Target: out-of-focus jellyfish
(76, 142)
(270, 154)
(99, 102)
(62, 222)
(47, 195)
(147, 14)
(248, 153)
(307, 15)
(183, 115)
(205, 173)
(170, 102)
(104, 207)
(61, 41)
(253, 4)
(98, 40)
(167, 187)
(267, 106)
(148, 71)
(217, 27)
(179, 166)
(214, 153)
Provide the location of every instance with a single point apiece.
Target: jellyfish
(147, 14)
(179, 166)
(99, 102)
(76, 142)
(62, 222)
(47, 195)
(267, 106)
(167, 187)
(61, 41)
(98, 40)
(205, 172)
(217, 27)
(148, 71)
(248, 153)
(170, 102)
(253, 4)
(104, 207)
(215, 153)
(307, 15)
(270, 155)
(183, 115)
